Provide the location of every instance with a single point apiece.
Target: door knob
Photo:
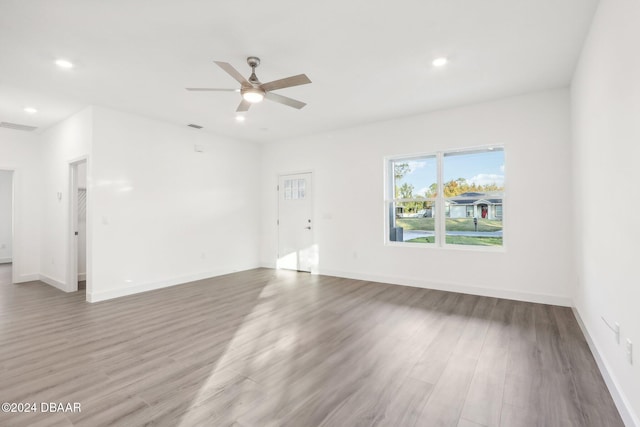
(308, 228)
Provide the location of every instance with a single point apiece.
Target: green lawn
(462, 240)
(452, 224)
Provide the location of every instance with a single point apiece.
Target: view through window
(447, 198)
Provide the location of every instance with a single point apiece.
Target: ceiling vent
(17, 126)
(194, 126)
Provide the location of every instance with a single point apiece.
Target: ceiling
(369, 60)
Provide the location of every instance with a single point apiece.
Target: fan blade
(210, 89)
(300, 79)
(284, 100)
(244, 106)
(233, 72)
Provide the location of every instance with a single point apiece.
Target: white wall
(349, 213)
(606, 128)
(162, 213)
(19, 151)
(6, 214)
(61, 144)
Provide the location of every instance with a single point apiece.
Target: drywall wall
(606, 106)
(349, 210)
(6, 214)
(19, 151)
(163, 213)
(61, 145)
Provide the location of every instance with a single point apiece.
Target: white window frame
(439, 201)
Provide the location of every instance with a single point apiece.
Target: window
(412, 205)
(447, 198)
(294, 189)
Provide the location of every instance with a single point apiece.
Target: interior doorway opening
(78, 228)
(6, 227)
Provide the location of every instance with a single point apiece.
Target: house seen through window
(447, 198)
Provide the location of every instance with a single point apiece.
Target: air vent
(194, 126)
(17, 126)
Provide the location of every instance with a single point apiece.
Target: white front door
(295, 227)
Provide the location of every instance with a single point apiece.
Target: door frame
(72, 242)
(314, 267)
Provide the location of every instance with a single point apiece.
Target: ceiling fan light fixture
(253, 95)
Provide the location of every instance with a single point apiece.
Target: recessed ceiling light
(63, 63)
(240, 118)
(30, 110)
(439, 62)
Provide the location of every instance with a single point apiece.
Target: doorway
(296, 250)
(78, 227)
(6, 227)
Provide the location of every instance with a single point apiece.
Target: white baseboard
(455, 287)
(6, 260)
(145, 287)
(82, 276)
(28, 278)
(268, 264)
(53, 282)
(622, 403)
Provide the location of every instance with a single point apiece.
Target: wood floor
(278, 348)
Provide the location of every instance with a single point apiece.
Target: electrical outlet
(629, 349)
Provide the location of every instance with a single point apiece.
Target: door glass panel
(295, 189)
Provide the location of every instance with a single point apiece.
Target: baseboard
(6, 260)
(268, 264)
(82, 276)
(53, 282)
(622, 403)
(145, 287)
(455, 287)
(28, 277)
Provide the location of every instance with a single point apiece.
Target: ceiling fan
(253, 91)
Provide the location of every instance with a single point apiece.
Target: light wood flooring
(279, 348)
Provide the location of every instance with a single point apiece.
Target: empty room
(411, 213)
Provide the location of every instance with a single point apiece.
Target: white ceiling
(368, 59)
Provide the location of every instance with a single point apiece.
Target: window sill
(471, 248)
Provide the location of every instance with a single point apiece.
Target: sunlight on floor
(253, 349)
